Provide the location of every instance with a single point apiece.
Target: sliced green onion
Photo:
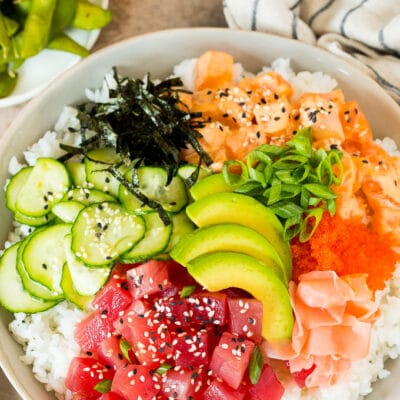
(290, 162)
(293, 180)
(163, 368)
(234, 179)
(125, 347)
(103, 386)
(187, 291)
(271, 150)
(320, 190)
(251, 188)
(310, 223)
(301, 142)
(256, 365)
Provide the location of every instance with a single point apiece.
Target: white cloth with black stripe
(364, 32)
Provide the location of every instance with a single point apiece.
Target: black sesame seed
(44, 266)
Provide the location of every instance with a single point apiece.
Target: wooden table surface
(130, 18)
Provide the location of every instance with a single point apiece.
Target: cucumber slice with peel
(152, 183)
(44, 255)
(15, 185)
(87, 196)
(181, 225)
(104, 231)
(154, 241)
(86, 281)
(12, 192)
(67, 285)
(78, 173)
(34, 288)
(13, 297)
(67, 211)
(45, 186)
(96, 163)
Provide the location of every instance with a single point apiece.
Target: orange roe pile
(347, 247)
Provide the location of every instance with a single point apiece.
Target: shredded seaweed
(146, 122)
(143, 120)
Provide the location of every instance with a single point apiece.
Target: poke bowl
(292, 95)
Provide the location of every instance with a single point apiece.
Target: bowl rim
(6, 364)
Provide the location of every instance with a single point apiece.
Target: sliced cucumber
(78, 173)
(131, 202)
(181, 225)
(154, 241)
(45, 186)
(152, 183)
(86, 281)
(185, 171)
(104, 231)
(34, 288)
(12, 192)
(33, 221)
(96, 163)
(67, 211)
(15, 185)
(44, 255)
(87, 196)
(13, 297)
(67, 285)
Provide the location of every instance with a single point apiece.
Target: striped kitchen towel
(364, 32)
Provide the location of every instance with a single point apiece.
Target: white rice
(48, 342)
(47, 337)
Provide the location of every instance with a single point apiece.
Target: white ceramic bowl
(157, 53)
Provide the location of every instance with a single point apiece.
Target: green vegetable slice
(104, 231)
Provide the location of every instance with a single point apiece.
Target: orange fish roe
(347, 247)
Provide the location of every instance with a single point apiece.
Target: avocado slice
(210, 184)
(218, 208)
(221, 270)
(228, 237)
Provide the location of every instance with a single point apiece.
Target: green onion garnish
(294, 181)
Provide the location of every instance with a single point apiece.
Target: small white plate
(38, 71)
